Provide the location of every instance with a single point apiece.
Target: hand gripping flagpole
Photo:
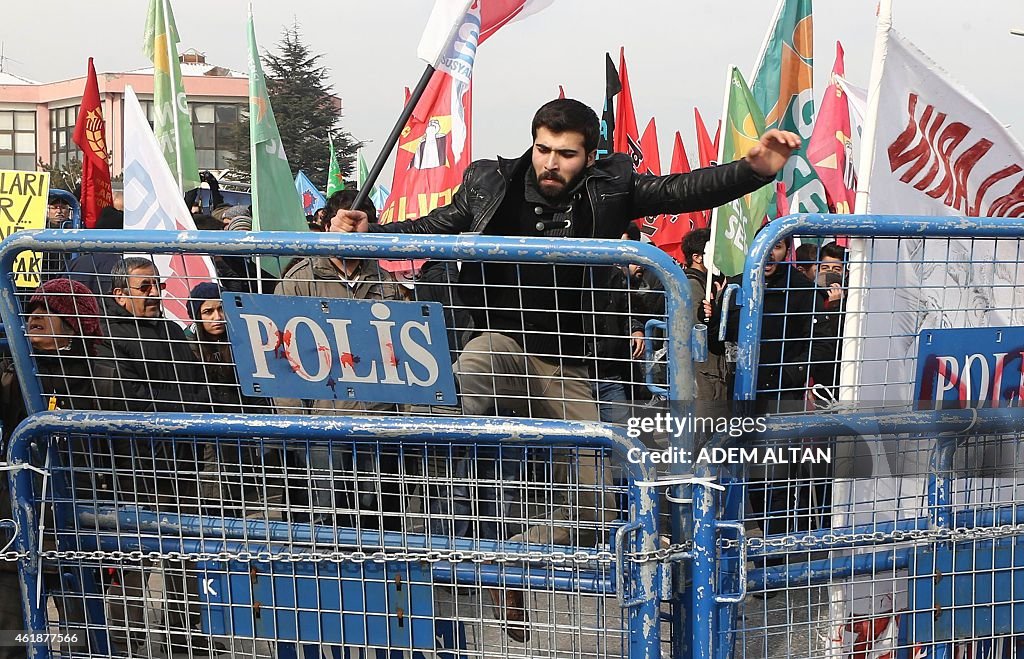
(392, 140)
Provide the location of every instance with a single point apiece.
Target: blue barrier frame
(35, 431)
(816, 424)
(858, 226)
(680, 315)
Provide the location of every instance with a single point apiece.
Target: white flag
(857, 99)
(938, 151)
(152, 201)
(457, 27)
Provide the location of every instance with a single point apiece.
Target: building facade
(37, 120)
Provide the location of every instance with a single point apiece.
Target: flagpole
(174, 95)
(853, 326)
(392, 140)
(709, 248)
(764, 45)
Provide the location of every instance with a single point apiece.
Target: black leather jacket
(616, 195)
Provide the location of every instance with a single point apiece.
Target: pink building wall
(46, 96)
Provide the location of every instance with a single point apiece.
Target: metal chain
(661, 555)
(933, 535)
(435, 556)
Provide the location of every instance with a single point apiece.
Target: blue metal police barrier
(254, 581)
(893, 569)
(642, 588)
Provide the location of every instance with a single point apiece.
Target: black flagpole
(392, 140)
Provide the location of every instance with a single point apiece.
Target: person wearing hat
(379, 499)
(213, 350)
(58, 212)
(239, 274)
(63, 328)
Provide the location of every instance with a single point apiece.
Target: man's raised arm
(714, 186)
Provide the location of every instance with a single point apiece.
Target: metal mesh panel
(262, 545)
(850, 558)
(866, 341)
(584, 324)
(241, 545)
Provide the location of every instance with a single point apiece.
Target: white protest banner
(152, 201)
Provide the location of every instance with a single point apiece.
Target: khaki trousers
(495, 375)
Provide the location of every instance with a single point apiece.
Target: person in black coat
(156, 371)
(788, 312)
(559, 190)
(63, 329)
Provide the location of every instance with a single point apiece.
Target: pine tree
(306, 111)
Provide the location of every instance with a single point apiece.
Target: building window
(62, 128)
(213, 125)
(17, 140)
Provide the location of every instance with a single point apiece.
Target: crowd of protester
(101, 341)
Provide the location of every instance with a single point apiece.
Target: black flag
(612, 86)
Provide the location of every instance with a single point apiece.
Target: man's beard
(549, 193)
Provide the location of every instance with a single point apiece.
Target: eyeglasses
(148, 287)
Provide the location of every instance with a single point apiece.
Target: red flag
(782, 201)
(433, 151)
(680, 161)
(707, 151)
(681, 165)
(495, 14)
(650, 159)
(90, 136)
(561, 91)
(830, 150)
(627, 136)
(667, 231)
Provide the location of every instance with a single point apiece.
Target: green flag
(172, 123)
(783, 87)
(364, 171)
(335, 180)
(275, 202)
(736, 223)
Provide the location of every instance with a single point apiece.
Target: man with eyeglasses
(58, 213)
(156, 371)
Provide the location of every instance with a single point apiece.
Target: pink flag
(830, 150)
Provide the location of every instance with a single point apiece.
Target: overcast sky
(677, 51)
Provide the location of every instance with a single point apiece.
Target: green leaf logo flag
(172, 122)
(335, 180)
(275, 202)
(736, 223)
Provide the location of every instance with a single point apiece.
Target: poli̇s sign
(328, 349)
(976, 367)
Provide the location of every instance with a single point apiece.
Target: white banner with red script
(937, 152)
